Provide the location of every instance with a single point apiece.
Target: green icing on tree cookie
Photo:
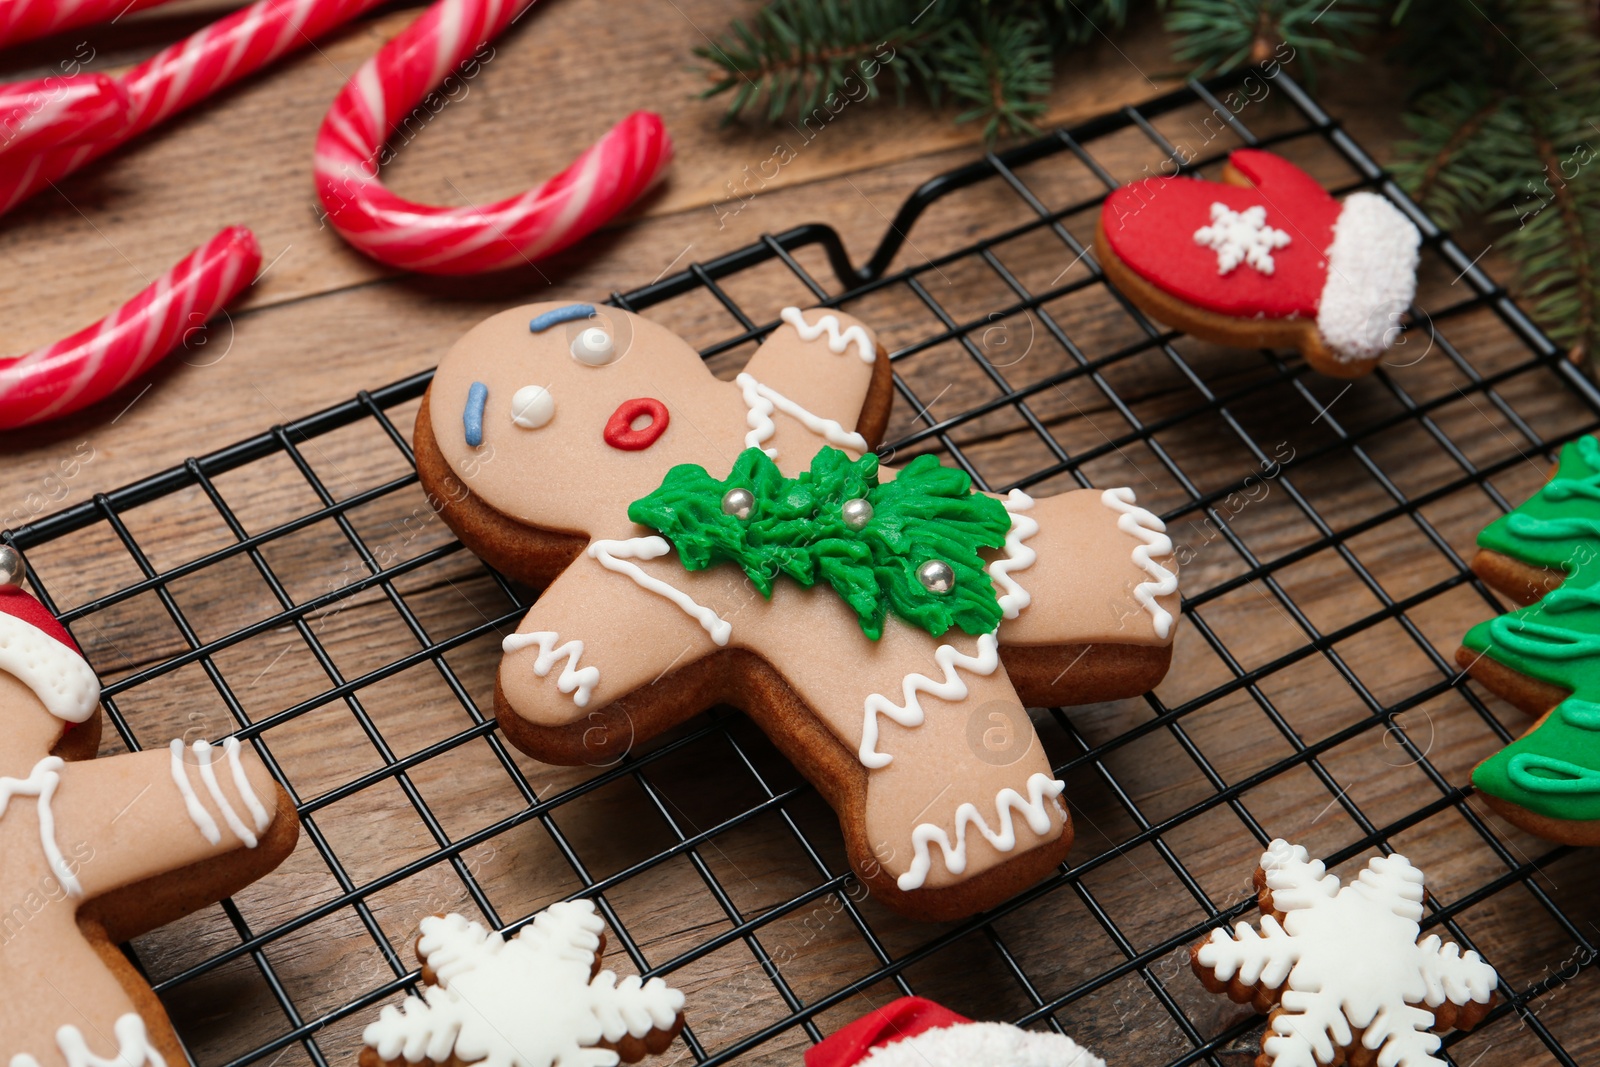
(1559, 526)
(1554, 769)
(795, 528)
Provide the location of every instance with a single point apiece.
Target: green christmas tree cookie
(1545, 658)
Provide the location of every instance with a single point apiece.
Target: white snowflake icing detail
(1352, 962)
(526, 1002)
(1241, 237)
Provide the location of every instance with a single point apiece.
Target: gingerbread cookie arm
(824, 370)
(126, 809)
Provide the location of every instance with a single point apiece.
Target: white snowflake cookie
(1340, 967)
(535, 1000)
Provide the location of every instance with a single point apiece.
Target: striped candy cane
(54, 111)
(184, 74)
(58, 379)
(23, 20)
(604, 180)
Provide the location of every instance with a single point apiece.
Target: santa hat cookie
(913, 1032)
(38, 651)
(1266, 258)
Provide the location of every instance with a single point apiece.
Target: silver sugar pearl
(856, 512)
(738, 502)
(11, 569)
(936, 576)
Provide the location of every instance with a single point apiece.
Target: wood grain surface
(323, 323)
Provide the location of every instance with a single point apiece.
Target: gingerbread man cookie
(709, 541)
(1545, 657)
(1264, 259)
(99, 851)
(1340, 968)
(913, 1032)
(538, 999)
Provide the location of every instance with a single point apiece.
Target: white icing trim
(1018, 555)
(1152, 534)
(1241, 237)
(41, 783)
(133, 1047)
(982, 1045)
(208, 775)
(1372, 277)
(762, 399)
(837, 342)
(524, 1002)
(61, 679)
(583, 680)
(614, 556)
(1349, 961)
(1040, 787)
(241, 782)
(197, 811)
(948, 657)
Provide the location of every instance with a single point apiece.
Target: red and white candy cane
(23, 20)
(93, 363)
(184, 74)
(56, 111)
(601, 182)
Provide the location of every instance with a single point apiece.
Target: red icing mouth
(619, 431)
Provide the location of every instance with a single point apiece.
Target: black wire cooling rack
(1336, 512)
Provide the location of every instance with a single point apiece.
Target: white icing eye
(594, 347)
(532, 406)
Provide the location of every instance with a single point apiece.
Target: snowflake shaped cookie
(1241, 237)
(537, 1000)
(1340, 967)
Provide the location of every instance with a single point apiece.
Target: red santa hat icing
(1277, 248)
(913, 1032)
(37, 650)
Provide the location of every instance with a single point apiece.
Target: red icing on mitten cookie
(1265, 257)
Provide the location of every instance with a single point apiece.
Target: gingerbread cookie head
(1340, 967)
(538, 999)
(39, 659)
(560, 415)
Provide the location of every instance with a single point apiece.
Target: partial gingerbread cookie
(100, 851)
(1545, 657)
(1266, 259)
(538, 999)
(1340, 968)
(913, 1032)
(716, 541)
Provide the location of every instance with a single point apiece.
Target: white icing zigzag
(615, 556)
(1040, 787)
(762, 399)
(948, 657)
(1018, 555)
(837, 342)
(133, 1047)
(41, 783)
(572, 677)
(1152, 533)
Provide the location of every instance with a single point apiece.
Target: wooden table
(324, 322)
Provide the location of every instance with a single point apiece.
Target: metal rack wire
(1239, 409)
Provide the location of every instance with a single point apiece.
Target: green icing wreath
(928, 512)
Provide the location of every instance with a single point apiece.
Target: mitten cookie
(538, 999)
(1545, 658)
(1265, 259)
(100, 851)
(1340, 968)
(913, 1032)
(710, 541)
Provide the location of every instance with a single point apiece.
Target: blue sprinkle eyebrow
(560, 315)
(472, 417)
